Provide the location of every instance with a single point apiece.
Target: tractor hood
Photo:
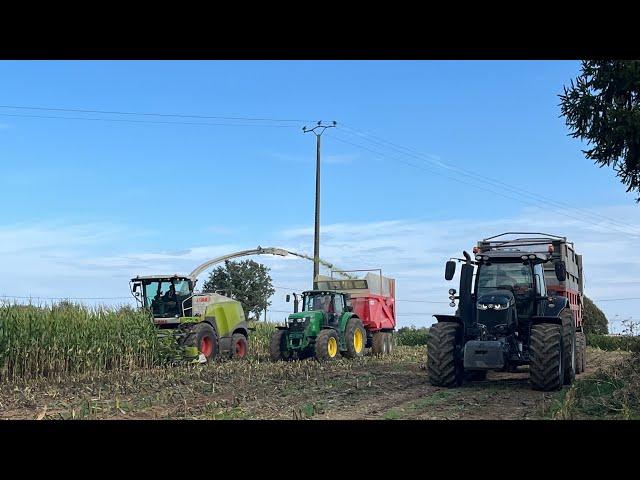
(303, 315)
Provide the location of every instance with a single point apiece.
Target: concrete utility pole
(318, 130)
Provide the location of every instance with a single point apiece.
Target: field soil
(393, 387)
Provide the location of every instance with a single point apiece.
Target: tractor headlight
(499, 306)
(482, 306)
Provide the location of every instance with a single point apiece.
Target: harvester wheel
(568, 347)
(379, 345)
(327, 345)
(239, 346)
(278, 346)
(444, 358)
(204, 338)
(546, 368)
(355, 338)
(581, 354)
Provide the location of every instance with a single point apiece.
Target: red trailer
(373, 300)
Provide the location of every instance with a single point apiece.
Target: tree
(593, 319)
(602, 107)
(247, 281)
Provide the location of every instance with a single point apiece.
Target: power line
(177, 115)
(475, 175)
(158, 122)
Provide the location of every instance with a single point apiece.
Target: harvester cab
(506, 317)
(339, 317)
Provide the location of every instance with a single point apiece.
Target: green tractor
(325, 328)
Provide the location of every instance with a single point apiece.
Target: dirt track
(369, 388)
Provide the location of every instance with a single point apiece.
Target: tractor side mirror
(288, 298)
(450, 270)
(561, 271)
(135, 287)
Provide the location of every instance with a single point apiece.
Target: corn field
(66, 338)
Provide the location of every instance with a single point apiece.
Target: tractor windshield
(515, 277)
(321, 302)
(165, 297)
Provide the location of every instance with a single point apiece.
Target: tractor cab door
(335, 310)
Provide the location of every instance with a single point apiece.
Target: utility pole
(318, 130)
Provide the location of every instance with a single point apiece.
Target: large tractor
(207, 325)
(507, 317)
(338, 318)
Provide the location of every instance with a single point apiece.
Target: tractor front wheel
(444, 362)
(239, 346)
(278, 349)
(204, 338)
(356, 338)
(327, 345)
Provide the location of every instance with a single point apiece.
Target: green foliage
(412, 336)
(602, 107)
(594, 319)
(247, 281)
(612, 393)
(620, 342)
(68, 338)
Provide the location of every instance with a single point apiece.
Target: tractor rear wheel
(239, 346)
(379, 344)
(204, 338)
(581, 354)
(327, 345)
(444, 359)
(278, 349)
(355, 338)
(546, 347)
(568, 347)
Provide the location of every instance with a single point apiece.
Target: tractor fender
(449, 318)
(559, 304)
(546, 319)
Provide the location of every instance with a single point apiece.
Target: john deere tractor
(325, 328)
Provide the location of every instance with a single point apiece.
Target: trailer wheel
(568, 347)
(278, 346)
(204, 338)
(581, 347)
(239, 346)
(390, 341)
(546, 368)
(355, 338)
(444, 355)
(327, 345)
(379, 345)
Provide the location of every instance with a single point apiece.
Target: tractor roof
(511, 256)
(161, 277)
(321, 292)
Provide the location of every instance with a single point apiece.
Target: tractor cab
(167, 297)
(330, 304)
(513, 278)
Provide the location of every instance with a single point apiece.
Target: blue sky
(90, 203)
